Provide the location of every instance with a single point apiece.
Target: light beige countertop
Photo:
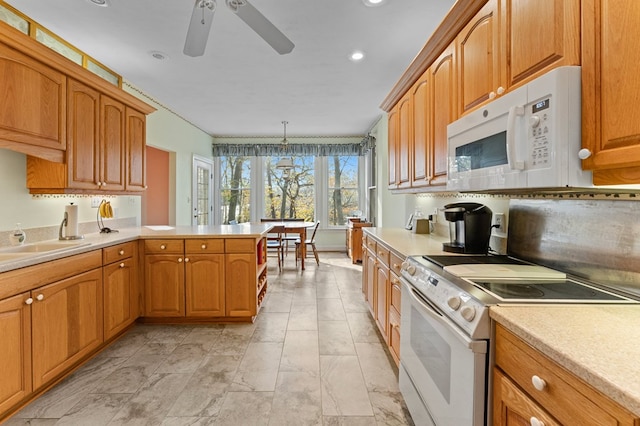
(407, 243)
(97, 240)
(598, 343)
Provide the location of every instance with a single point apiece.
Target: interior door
(202, 188)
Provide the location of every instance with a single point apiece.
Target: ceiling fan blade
(261, 25)
(199, 27)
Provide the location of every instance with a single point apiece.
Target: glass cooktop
(449, 260)
(565, 290)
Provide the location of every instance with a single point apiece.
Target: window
(289, 193)
(235, 189)
(342, 189)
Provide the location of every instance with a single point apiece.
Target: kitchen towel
(71, 213)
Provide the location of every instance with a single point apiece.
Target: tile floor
(313, 357)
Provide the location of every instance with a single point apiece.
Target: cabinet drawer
(239, 245)
(118, 252)
(564, 396)
(396, 292)
(371, 244)
(209, 245)
(383, 254)
(164, 246)
(395, 263)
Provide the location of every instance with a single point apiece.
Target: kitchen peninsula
(60, 307)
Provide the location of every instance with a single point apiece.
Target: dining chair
(310, 242)
(290, 238)
(274, 243)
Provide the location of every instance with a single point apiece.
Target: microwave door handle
(514, 111)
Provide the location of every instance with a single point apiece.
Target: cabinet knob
(538, 383)
(121, 252)
(500, 90)
(145, 187)
(179, 260)
(395, 325)
(186, 259)
(162, 247)
(28, 301)
(204, 246)
(40, 297)
(584, 153)
(104, 183)
(492, 95)
(536, 422)
(99, 183)
(122, 265)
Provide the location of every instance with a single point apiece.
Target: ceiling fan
(202, 16)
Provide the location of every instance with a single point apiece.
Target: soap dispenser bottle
(17, 236)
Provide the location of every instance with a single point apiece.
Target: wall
(169, 132)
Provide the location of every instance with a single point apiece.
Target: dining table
(297, 227)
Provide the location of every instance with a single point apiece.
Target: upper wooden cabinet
(420, 93)
(81, 133)
(405, 141)
(33, 104)
(610, 117)
(510, 42)
(393, 144)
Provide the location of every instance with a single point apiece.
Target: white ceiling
(241, 86)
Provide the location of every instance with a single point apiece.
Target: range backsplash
(595, 239)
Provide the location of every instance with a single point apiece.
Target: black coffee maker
(469, 228)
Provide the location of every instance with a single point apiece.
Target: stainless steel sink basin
(43, 247)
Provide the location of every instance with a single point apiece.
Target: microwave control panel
(539, 133)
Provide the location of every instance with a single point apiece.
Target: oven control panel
(468, 313)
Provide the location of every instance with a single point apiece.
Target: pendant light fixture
(285, 163)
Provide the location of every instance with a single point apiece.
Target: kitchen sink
(42, 247)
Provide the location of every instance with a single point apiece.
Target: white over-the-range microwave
(528, 138)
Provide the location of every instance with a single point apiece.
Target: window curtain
(293, 149)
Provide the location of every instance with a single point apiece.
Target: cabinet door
(371, 280)
(83, 120)
(393, 126)
(240, 290)
(610, 117)
(33, 103)
(512, 407)
(66, 319)
(540, 35)
(382, 300)
(136, 151)
(478, 50)
(112, 142)
(205, 285)
(120, 296)
(164, 285)
(443, 111)
(421, 173)
(15, 351)
(405, 141)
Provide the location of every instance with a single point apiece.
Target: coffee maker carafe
(469, 228)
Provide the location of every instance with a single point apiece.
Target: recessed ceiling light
(158, 55)
(373, 3)
(356, 56)
(101, 3)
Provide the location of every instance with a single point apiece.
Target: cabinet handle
(536, 422)
(162, 247)
(380, 253)
(122, 265)
(104, 183)
(99, 183)
(28, 301)
(121, 252)
(204, 246)
(500, 90)
(492, 95)
(538, 383)
(395, 325)
(186, 259)
(40, 297)
(584, 153)
(179, 260)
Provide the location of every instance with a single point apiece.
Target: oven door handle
(478, 346)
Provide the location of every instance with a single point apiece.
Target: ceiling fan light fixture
(373, 3)
(101, 3)
(156, 54)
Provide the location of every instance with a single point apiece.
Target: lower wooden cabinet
(205, 290)
(240, 297)
(120, 281)
(66, 324)
(15, 350)
(382, 290)
(529, 385)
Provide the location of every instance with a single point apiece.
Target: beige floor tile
(343, 390)
(330, 310)
(300, 352)
(303, 316)
(245, 408)
(258, 370)
(335, 338)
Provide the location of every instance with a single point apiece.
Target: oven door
(441, 367)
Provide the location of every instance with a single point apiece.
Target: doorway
(202, 187)
(155, 200)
